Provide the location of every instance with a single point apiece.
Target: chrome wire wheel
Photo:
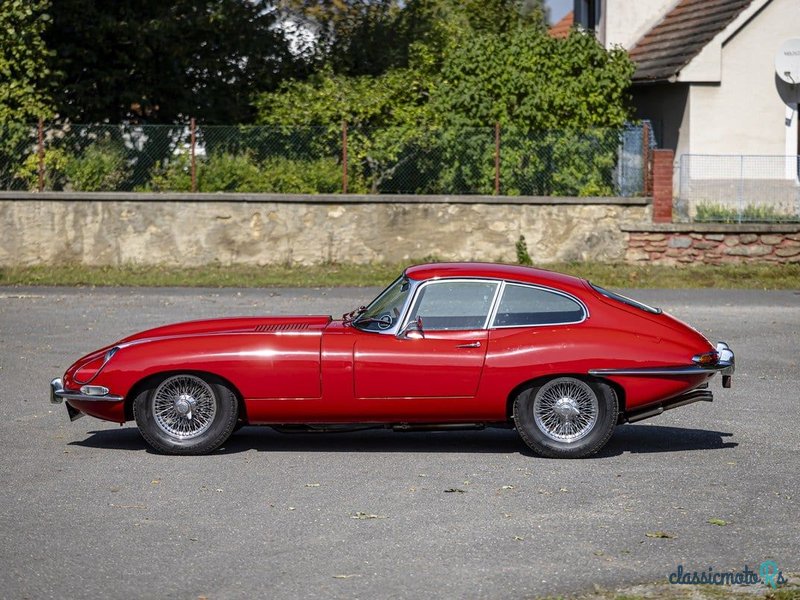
(184, 406)
(565, 409)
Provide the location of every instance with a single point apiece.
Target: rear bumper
(726, 365)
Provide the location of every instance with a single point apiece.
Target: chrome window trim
(394, 329)
(543, 288)
(626, 300)
(498, 283)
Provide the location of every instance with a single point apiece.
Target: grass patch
(752, 213)
(754, 276)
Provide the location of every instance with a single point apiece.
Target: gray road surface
(87, 511)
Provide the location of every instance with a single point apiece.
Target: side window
(525, 305)
(454, 304)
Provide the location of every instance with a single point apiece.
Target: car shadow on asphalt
(631, 439)
(646, 439)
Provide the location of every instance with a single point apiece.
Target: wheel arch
(538, 381)
(152, 379)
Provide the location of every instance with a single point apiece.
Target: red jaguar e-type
(444, 346)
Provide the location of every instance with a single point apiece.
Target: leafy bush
(100, 168)
(523, 257)
(17, 142)
(584, 162)
(287, 176)
(55, 165)
(227, 172)
(239, 173)
(174, 177)
(222, 172)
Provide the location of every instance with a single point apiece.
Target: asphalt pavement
(88, 511)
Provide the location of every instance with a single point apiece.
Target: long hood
(233, 325)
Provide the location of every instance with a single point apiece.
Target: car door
(443, 358)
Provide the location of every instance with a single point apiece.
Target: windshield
(383, 312)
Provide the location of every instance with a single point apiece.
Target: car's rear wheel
(566, 417)
(186, 413)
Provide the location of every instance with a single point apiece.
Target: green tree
(162, 62)
(370, 37)
(24, 75)
(353, 37)
(527, 78)
(560, 103)
(384, 115)
(25, 81)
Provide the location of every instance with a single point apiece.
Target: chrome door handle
(470, 345)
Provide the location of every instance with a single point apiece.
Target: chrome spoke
(565, 409)
(184, 406)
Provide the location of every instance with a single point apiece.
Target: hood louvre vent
(281, 327)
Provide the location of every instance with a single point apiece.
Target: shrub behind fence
(189, 158)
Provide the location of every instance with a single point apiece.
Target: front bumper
(726, 365)
(58, 394)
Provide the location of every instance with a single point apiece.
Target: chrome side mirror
(412, 330)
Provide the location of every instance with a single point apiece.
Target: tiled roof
(561, 29)
(680, 36)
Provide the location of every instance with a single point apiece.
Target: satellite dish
(787, 61)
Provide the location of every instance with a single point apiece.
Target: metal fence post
(40, 135)
(646, 158)
(193, 129)
(344, 157)
(497, 158)
(740, 189)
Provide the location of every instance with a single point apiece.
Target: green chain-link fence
(185, 158)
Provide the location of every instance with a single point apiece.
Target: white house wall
(624, 22)
(744, 113)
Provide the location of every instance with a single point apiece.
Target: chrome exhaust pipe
(690, 397)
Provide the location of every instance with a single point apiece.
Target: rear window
(522, 305)
(626, 300)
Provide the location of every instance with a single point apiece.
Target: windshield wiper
(348, 318)
(384, 321)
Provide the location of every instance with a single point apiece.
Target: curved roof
(493, 271)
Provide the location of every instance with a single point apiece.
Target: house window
(587, 14)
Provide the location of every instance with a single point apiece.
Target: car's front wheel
(186, 413)
(566, 417)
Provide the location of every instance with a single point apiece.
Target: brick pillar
(662, 185)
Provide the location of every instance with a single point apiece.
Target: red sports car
(461, 345)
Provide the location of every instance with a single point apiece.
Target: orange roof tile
(561, 29)
(680, 36)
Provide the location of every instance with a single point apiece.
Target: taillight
(706, 359)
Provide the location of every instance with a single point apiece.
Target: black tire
(576, 417)
(185, 413)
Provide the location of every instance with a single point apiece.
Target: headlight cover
(91, 368)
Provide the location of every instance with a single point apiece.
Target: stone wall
(200, 229)
(714, 244)
(260, 229)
